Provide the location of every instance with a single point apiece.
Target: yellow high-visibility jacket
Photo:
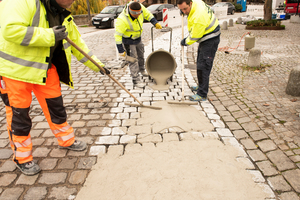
(128, 28)
(25, 41)
(201, 22)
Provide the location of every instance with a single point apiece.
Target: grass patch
(261, 68)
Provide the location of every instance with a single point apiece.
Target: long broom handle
(182, 60)
(101, 68)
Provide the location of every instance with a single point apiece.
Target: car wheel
(232, 12)
(112, 24)
(97, 26)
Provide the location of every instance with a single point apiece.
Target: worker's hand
(158, 26)
(106, 71)
(183, 43)
(60, 32)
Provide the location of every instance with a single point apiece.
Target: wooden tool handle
(101, 68)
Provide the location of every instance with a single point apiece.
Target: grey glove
(59, 32)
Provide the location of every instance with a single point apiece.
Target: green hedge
(272, 22)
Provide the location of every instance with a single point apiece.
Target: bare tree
(268, 10)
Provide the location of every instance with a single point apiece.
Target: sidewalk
(254, 141)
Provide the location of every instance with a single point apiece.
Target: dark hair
(182, 1)
(135, 6)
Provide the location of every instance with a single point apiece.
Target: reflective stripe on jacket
(25, 41)
(128, 28)
(201, 21)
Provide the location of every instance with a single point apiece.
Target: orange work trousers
(17, 97)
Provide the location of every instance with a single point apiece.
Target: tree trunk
(268, 10)
(89, 11)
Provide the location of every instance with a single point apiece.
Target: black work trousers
(206, 55)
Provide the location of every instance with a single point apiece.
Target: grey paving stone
(67, 163)
(100, 131)
(250, 126)
(86, 163)
(224, 132)
(233, 126)
(5, 153)
(58, 153)
(8, 166)
(53, 178)
(3, 142)
(293, 177)
(267, 168)
(48, 163)
(218, 123)
(7, 179)
(26, 180)
(41, 152)
(37, 141)
(289, 196)
(258, 135)
(267, 145)
(95, 150)
(126, 139)
(107, 140)
(119, 130)
(239, 134)
(78, 177)
(96, 123)
(248, 144)
(278, 183)
(244, 120)
(62, 192)
(77, 153)
(280, 160)
(257, 155)
(11, 193)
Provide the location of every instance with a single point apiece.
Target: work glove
(158, 26)
(106, 71)
(183, 43)
(60, 32)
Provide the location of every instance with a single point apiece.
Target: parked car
(157, 10)
(230, 7)
(107, 16)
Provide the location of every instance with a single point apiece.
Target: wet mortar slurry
(249, 110)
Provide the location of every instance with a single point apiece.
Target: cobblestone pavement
(248, 110)
(254, 105)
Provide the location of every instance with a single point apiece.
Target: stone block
(53, 178)
(254, 58)
(280, 160)
(37, 193)
(12, 193)
(293, 85)
(224, 26)
(293, 177)
(230, 23)
(279, 184)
